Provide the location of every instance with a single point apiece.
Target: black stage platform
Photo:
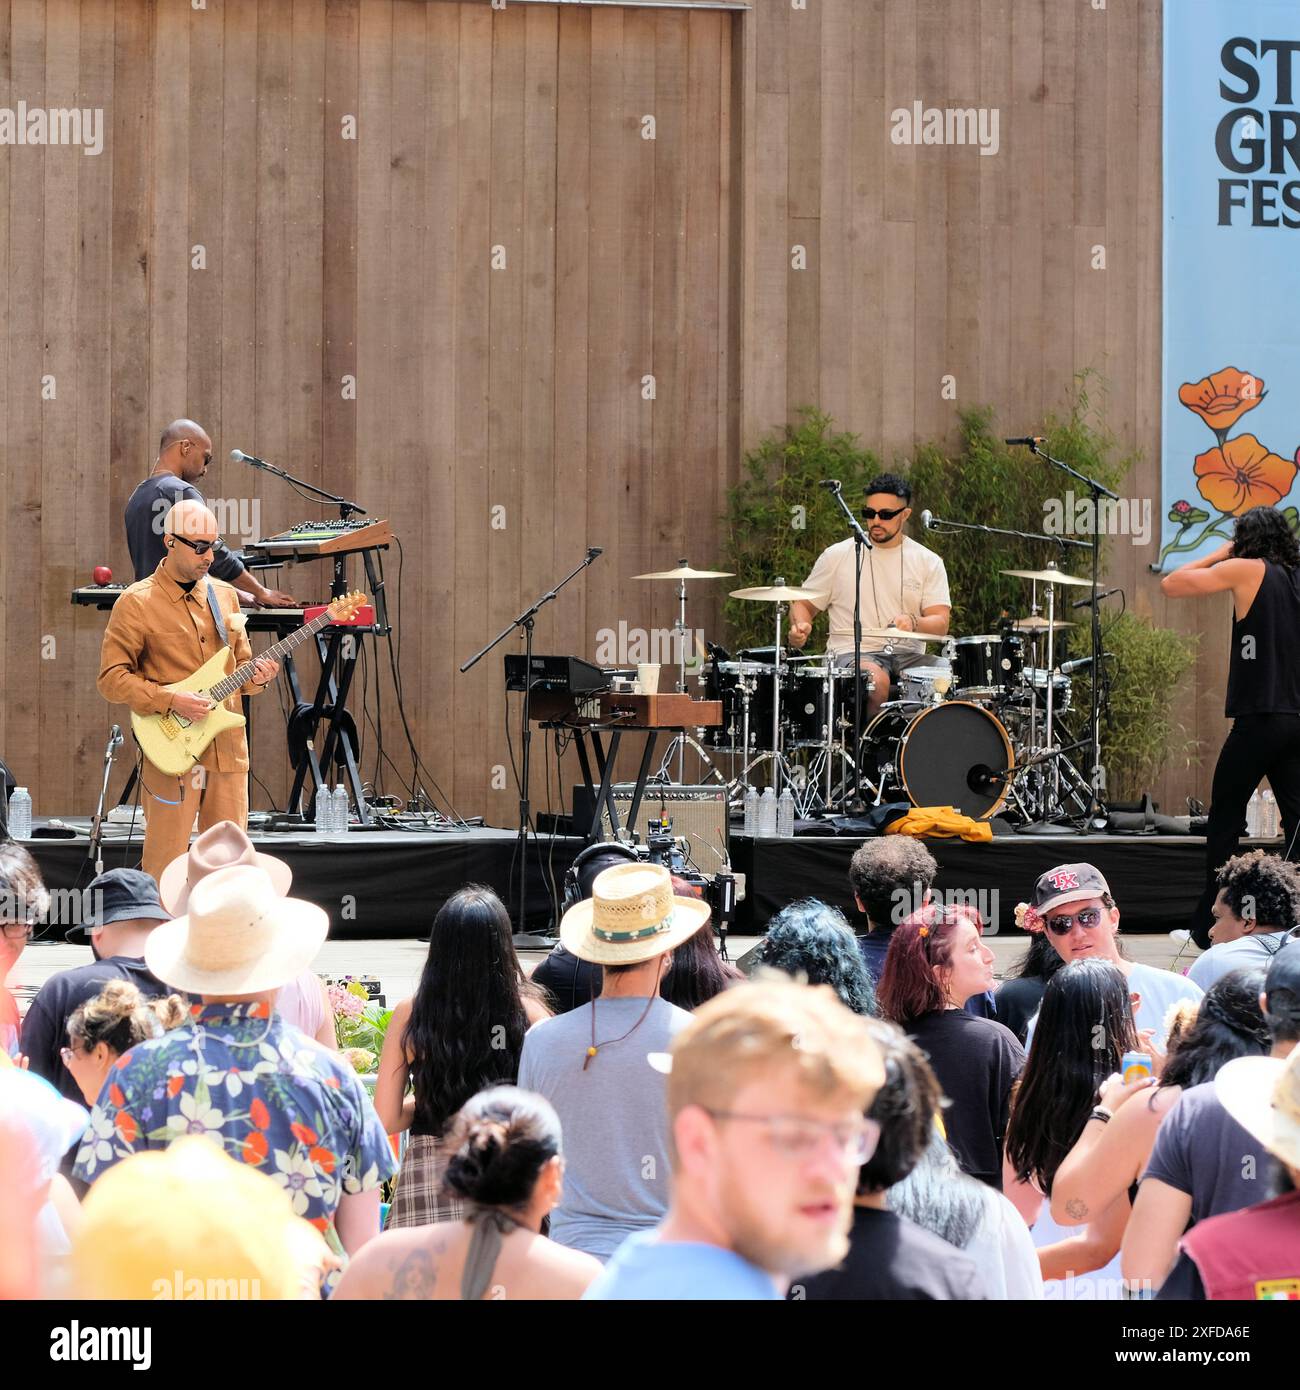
(390, 883)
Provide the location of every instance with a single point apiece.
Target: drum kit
(972, 722)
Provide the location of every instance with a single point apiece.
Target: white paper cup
(647, 677)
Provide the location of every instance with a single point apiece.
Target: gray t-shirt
(1257, 948)
(613, 1115)
(1202, 1151)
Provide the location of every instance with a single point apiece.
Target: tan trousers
(169, 805)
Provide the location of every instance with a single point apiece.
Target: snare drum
(729, 681)
(1034, 679)
(987, 665)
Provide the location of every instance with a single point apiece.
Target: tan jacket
(158, 634)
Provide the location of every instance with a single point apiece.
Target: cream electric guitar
(172, 743)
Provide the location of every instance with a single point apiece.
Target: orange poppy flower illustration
(322, 1158)
(126, 1126)
(174, 1083)
(115, 1094)
(302, 1133)
(1243, 474)
(1222, 398)
(258, 1113)
(255, 1148)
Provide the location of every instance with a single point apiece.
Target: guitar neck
(241, 675)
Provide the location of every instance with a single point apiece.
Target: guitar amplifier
(699, 815)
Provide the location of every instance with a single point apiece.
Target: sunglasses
(1087, 919)
(198, 547)
(886, 514)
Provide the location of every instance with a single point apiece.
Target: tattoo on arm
(1077, 1209)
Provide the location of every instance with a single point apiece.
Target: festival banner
(1231, 381)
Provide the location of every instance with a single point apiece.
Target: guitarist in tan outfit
(159, 631)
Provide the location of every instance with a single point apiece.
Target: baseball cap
(1284, 970)
(117, 895)
(1067, 883)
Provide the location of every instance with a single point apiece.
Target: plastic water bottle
(340, 810)
(751, 811)
(324, 808)
(785, 815)
(1253, 809)
(767, 812)
(20, 814)
(1270, 827)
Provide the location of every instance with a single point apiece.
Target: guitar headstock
(344, 608)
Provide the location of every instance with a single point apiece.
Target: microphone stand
(1096, 806)
(96, 851)
(860, 545)
(525, 621)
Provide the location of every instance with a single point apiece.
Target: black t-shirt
(569, 981)
(1018, 1002)
(45, 1029)
(891, 1258)
(976, 1061)
(145, 509)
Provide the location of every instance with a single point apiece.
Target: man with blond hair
(160, 631)
(766, 1099)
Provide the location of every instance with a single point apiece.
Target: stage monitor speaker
(698, 814)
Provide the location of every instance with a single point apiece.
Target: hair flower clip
(1028, 918)
(923, 931)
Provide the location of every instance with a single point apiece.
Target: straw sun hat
(1263, 1095)
(221, 846)
(239, 936)
(631, 916)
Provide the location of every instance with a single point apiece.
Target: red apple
(102, 574)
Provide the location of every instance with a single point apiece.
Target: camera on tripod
(718, 890)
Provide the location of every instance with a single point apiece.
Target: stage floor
(390, 883)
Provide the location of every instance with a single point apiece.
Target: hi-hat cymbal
(684, 571)
(778, 593)
(894, 633)
(1048, 576)
(1038, 625)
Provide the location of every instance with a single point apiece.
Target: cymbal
(778, 593)
(684, 571)
(1038, 625)
(1048, 576)
(898, 632)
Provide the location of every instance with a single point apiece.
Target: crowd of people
(868, 1114)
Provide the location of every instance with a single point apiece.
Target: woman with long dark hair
(462, 1031)
(813, 941)
(698, 972)
(1110, 1155)
(1260, 568)
(936, 962)
(1085, 1027)
(1021, 990)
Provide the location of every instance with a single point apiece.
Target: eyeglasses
(799, 1138)
(67, 1054)
(18, 931)
(198, 547)
(1087, 919)
(887, 514)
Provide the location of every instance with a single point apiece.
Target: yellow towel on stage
(942, 821)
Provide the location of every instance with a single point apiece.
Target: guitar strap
(216, 615)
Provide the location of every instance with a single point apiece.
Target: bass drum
(939, 755)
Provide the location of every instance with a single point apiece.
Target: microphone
(1028, 439)
(239, 456)
(830, 484)
(593, 551)
(1087, 602)
(927, 519)
(115, 737)
(1079, 663)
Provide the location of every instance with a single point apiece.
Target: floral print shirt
(269, 1095)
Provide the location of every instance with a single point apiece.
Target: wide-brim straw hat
(239, 937)
(221, 846)
(1263, 1095)
(632, 916)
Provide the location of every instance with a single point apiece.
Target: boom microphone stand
(860, 545)
(525, 621)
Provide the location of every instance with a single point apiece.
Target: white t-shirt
(1159, 990)
(1258, 948)
(895, 579)
(1003, 1251)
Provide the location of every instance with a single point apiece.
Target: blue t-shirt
(645, 1267)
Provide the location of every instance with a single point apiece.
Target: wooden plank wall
(515, 395)
(499, 416)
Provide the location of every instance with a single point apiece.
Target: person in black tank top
(1261, 568)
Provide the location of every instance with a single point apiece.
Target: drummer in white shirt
(904, 585)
